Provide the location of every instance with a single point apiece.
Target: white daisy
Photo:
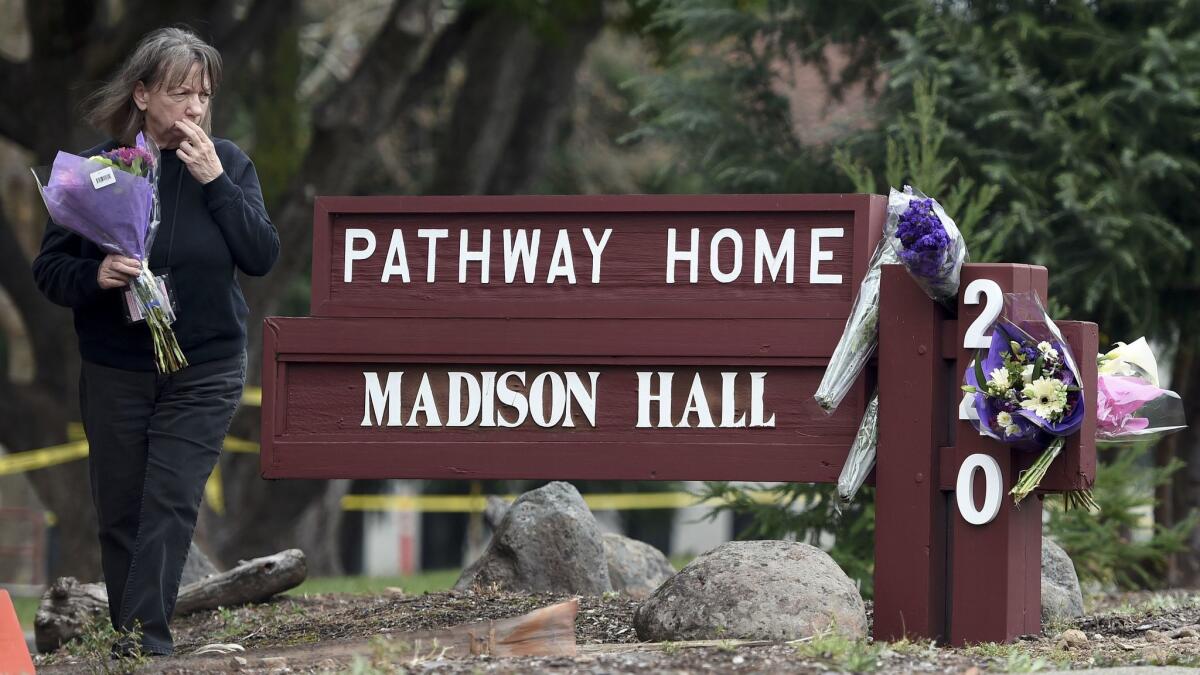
(999, 382)
(1012, 430)
(1004, 419)
(1045, 396)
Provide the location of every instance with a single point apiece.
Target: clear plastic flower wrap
(1130, 406)
(861, 458)
(1025, 388)
(919, 235)
(859, 337)
(927, 242)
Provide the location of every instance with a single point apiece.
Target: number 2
(974, 338)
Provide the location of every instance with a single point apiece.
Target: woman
(155, 438)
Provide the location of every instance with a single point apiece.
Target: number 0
(965, 493)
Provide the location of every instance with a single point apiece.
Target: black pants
(154, 441)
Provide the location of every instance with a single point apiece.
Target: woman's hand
(117, 271)
(198, 153)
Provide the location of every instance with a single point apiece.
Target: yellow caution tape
(31, 460)
(20, 462)
(214, 493)
(233, 444)
(477, 503)
(252, 396)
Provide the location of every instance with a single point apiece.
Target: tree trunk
(1181, 497)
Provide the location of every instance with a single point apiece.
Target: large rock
(494, 511)
(1062, 598)
(547, 541)
(197, 567)
(754, 590)
(635, 568)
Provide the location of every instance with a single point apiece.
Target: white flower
(1004, 419)
(998, 382)
(1134, 358)
(1012, 430)
(1027, 374)
(1047, 351)
(1045, 396)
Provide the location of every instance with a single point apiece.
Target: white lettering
(786, 253)
(816, 255)
(397, 254)
(663, 398)
(597, 250)
(352, 254)
(455, 416)
(482, 256)
(576, 392)
(537, 399)
(521, 251)
(378, 399)
(511, 398)
(487, 416)
(561, 263)
(714, 248)
(757, 384)
(691, 255)
(697, 403)
(425, 404)
(728, 403)
(432, 236)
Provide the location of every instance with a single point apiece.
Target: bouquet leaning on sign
(920, 236)
(112, 201)
(1130, 405)
(1024, 390)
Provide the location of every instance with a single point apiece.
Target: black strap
(174, 215)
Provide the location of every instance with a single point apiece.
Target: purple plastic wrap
(115, 216)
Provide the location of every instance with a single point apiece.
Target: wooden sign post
(660, 338)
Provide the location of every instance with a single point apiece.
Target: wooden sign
(670, 338)
(639, 337)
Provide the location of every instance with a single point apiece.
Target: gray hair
(164, 58)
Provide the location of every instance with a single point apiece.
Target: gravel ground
(1139, 629)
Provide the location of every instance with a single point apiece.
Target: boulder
(547, 541)
(754, 590)
(635, 568)
(197, 567)
(494, 511)
(1062, 598)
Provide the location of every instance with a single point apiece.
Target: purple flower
(923, 239)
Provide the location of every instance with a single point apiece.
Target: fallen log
(68, 606)
(251, 581)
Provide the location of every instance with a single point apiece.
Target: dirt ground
(340, 633)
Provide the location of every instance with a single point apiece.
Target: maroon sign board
(653, 337)
(569, 337)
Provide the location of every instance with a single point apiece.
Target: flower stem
(1032, 477)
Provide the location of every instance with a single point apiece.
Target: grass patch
(26, 610)
(841, 652)
(437, 580)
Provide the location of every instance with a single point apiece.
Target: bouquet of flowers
(112, 200)
(1025, 389)
(1130, 406)
(919, 235)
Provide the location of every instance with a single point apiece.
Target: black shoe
(126, 648)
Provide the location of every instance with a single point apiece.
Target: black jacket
(207, 233)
